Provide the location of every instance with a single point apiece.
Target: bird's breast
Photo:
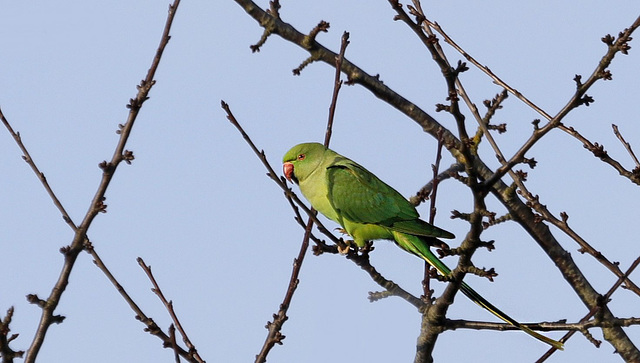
(317, 195)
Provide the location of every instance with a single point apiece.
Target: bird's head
(301, 160)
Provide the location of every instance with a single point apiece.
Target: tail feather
(478, 299)
(420, 247)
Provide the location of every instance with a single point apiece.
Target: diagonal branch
(585, 247)
(620, 46)
(627, 146)
(599, 152)
(275, 336)
(274, 176)
(97, 205)
(193, 354)
(27, 157)
(355, 75)
(151, 326)
(596, 309)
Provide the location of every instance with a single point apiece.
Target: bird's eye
(301, 156)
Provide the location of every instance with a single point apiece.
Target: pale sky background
(220, 237)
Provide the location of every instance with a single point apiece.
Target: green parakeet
(368, 209)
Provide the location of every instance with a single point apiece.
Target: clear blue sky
(218, 234)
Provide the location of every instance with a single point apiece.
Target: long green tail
(420, 247)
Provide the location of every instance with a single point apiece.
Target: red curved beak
(287, 169)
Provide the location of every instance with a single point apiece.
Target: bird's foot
(343, 248)
(342, 231)
(368, 247)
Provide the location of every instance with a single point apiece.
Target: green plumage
(369, 209)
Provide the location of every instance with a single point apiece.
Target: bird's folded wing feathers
(363, 198)
(358, 195)
(418, 227)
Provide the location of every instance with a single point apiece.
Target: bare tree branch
(583, 324)
(97, 205)
(151, 326)
(192, 355)
(8, 354)
(627, 146)
(598, 151)
(275, 336)
(579, 97)
(27, 157)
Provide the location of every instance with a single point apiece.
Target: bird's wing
(361, 197)
(358, 195)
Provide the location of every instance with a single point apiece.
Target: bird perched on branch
(369, 209)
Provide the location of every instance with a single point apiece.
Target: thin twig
(577, 99)
(150, 324)
(321, 246)
(336, 88)
(486, 70)
(435, 167)
(280, 181)
(426, 286)
(593, 311)
(424, 192)
(275, 336)
(8, 354)
(599, 151)
(627, 146)
(174, 343)
(27, 157)
(362, 259)
(585, 247)
(168, 304)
